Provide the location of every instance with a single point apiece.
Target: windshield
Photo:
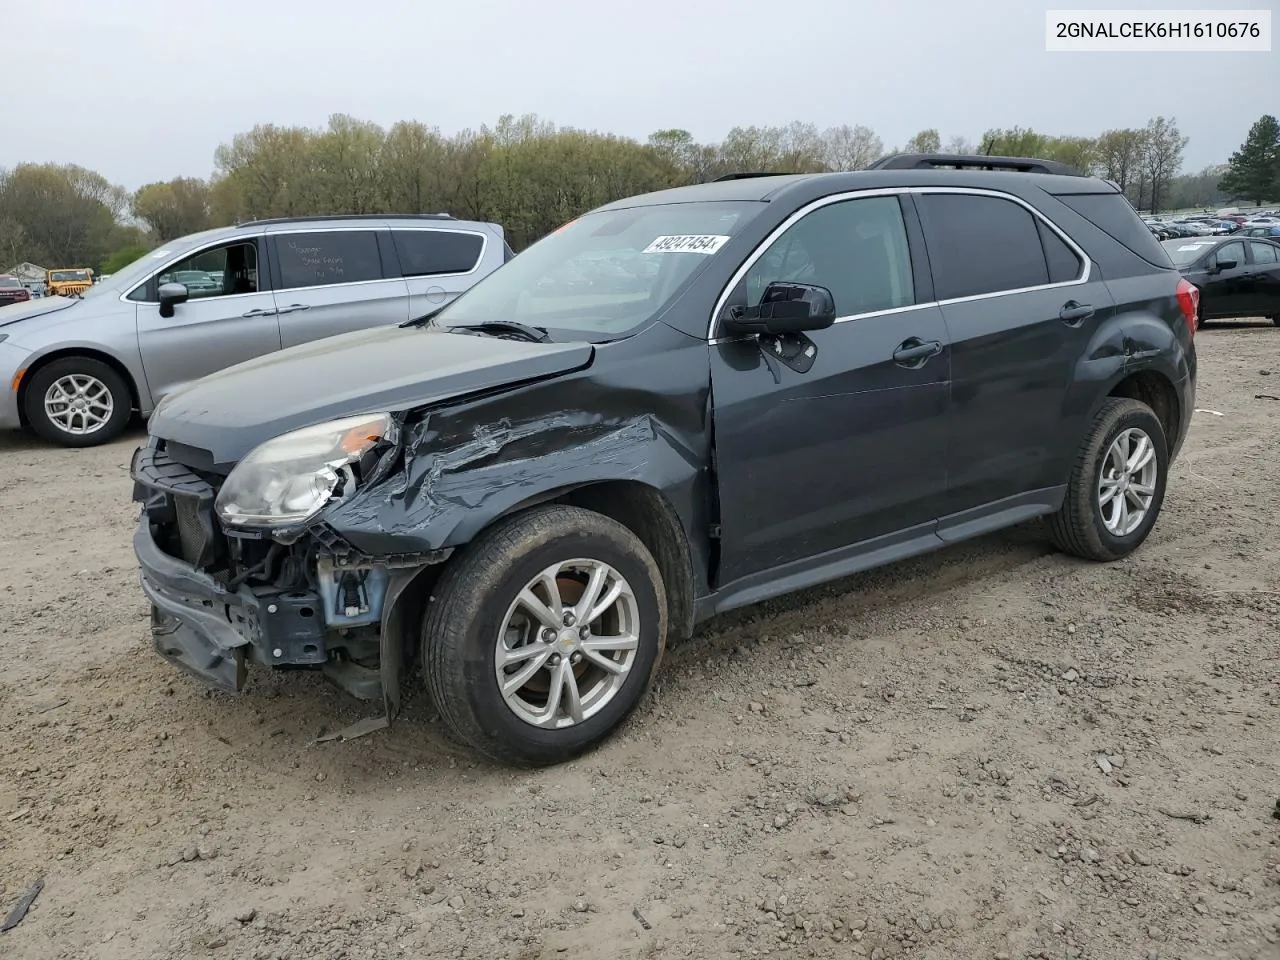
(1183, 251)
(604, 274)
(70, 275)
(10, 282)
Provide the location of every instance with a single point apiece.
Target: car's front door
(846, 441)
(335, 281)
(1263, 280)
(1222, 292)
(229, 316)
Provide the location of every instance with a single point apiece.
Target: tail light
(1189, 302)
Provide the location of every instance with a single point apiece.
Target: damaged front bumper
(200, 626)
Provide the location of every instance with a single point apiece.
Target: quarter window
(980, 245)
(327, 257)
(857, 249)
(426, 252)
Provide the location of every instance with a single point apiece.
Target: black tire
(1276, 320)
(46, 376)
(461, 628)
(1078, 527)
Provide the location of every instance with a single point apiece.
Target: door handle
(293, 307)
(1073, 314)
(914, 352)
(258, 313)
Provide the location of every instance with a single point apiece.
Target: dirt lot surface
(990, 752)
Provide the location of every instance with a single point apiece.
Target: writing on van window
(326, 257)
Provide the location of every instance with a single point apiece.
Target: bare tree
(851, 148)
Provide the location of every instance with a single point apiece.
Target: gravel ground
(993, 752)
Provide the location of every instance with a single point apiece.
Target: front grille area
(179, 505)
(192, 534)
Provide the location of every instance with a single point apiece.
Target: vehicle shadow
(14, 441)
(306, 705)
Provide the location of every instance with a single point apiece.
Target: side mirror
(1225, 265)
(786, 308)
(172, 294)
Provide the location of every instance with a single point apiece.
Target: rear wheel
(78, 402)
(544, 635)
(1117, 484)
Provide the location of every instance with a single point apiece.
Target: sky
(145, 90)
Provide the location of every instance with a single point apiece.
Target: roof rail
(347, 216)
(931, 161)
(748, 176)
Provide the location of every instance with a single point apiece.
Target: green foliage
(522, 172)
(122, 258)
(173, 209)
(1253, 172)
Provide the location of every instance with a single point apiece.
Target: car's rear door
(332, 280)
(439, 263)
(1020, 304)
(1263, 281)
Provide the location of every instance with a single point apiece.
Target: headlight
(289, 479)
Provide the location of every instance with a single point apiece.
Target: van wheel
(1117, 485)
(544, 634)
(78, 402)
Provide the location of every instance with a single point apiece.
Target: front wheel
(1117, 484)
(544, 635)
(78, 402)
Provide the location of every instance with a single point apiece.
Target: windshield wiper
(535, 334)
(423, 320)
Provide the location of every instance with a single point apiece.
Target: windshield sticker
(1193, 246)
(687, 243)
(160, 253)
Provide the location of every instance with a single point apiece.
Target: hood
(230, 412)
(36, 307)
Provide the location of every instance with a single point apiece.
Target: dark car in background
(532, 490)
(12, 290)
(1237, 276)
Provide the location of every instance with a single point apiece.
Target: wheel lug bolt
(584, 633)
(548, 634)
(568, 619)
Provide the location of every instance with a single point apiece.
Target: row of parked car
(523, 475)
(1263, 224)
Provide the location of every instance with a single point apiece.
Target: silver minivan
(75, 369)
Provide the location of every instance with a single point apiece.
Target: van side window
(857, 249)
(327, 257)
(981, 244)
(217, 272)
(424, 253)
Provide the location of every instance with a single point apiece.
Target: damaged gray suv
(675, 405)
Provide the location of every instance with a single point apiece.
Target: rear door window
(326, 257)
(425, 253)
(1263, 252)
(982, 245)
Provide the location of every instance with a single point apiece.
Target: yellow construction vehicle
(68, 282)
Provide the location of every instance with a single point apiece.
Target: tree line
(530, 176)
